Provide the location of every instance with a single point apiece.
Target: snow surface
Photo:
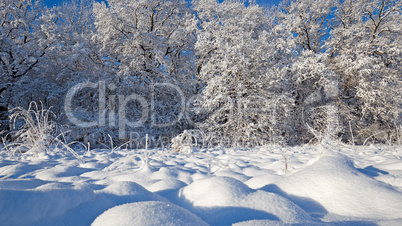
(322, 185)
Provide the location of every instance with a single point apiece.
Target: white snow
(147, 213)
(331, 184)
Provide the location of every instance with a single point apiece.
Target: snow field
(337, 185)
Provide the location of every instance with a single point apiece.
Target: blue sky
(261, 2)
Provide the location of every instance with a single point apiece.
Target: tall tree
(234, 53)
(147, 39)
(346, 66)
(151, 43)
(365, 52)
(22, 46)
(302, 28)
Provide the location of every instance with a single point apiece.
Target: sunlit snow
(322, 184)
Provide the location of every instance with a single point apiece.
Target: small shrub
(34, 131)
(187, 141)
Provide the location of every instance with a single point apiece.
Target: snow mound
(166, 185)
(215, 191)
(29, 206)
(113, 195)
(127, 188)
(224, 200)
(335, 184)
(147, 213)
(20, 184)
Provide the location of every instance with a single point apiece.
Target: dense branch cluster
(239, 74)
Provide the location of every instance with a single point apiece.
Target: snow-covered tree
(148, 40)
(301, 29)
(346, 66)
(59, 54)
(71, 27)
(151, 43)
(234, 54)
(306, 23)
(22, 46)
(365, 52)
(65, 35)
(75, 58)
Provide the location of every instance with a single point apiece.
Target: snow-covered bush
(187, 141)
(34, 132)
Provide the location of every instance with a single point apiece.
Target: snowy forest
(204, 72)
